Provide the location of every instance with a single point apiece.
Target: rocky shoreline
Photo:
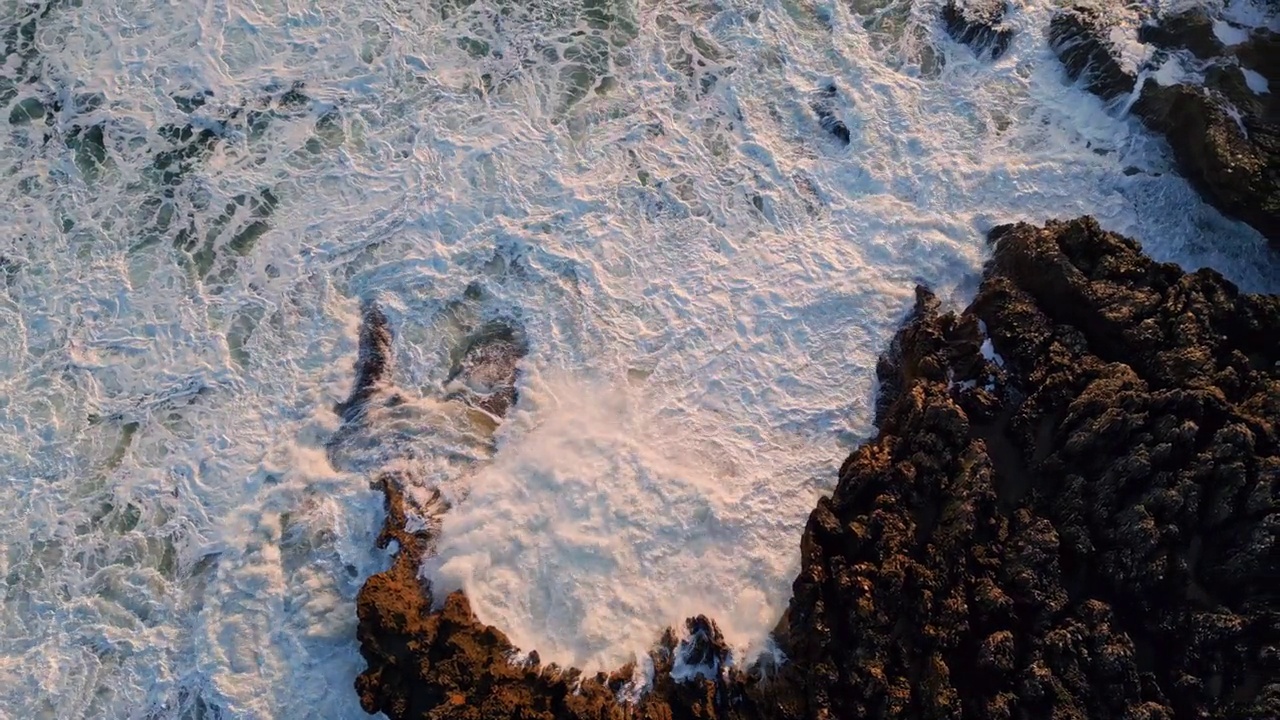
(1070, 511)
(1208, 85)
(1072, 506)
(1215, 100)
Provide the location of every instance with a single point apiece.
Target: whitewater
(704, 275)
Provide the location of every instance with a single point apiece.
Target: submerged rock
(373, 362)
(9, 269)
(824, 106)
(1224, 132)
(485, 376)
(977, 23)
(1070, 511)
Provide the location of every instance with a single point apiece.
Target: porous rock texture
(1225, 134)
(1070, 510)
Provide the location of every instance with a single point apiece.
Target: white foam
(684, 669)
(695, 264)
(1251, 14)
(624, 513)
(1228, 33)
(1174, 71)
(1255, 81)
(640, 682)
(1130, 52)
(989, 352)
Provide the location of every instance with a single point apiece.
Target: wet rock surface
(825, 106)
(1030, 534)
(978, 24)
(1191, 30)
(485, 374)
(1081, 38)
(1070, 511)
(1220, 116)
(373, 364)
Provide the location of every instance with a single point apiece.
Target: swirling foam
(705, 277)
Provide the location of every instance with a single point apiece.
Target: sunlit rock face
(1027, 536)
(1068, 511)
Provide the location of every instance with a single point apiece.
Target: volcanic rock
(1080, 37)
(485, 375)
(1190, 30)
(1070, 511)
(1051, 561)
(1261, 53)
(373, 364)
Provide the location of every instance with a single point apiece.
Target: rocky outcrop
(1226, 140)
(824, 105)
(978, 24)
(1070, 511)
(1190, 30)
(1260, 52)
(1224, 132)
(373, 364)
(1080, 37)
(1030, 534)
(485, 375)
(442, 662)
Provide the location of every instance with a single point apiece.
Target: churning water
(198, 195)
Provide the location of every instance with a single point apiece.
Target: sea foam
(705, 277)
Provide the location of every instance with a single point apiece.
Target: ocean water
(704, 275)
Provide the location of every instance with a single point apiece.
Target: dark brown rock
(1225, 137)
(825, 107)
(978, 24)
(1077, 521)
(1261, 53)
(1190, 30)
(373, 363)
(1232, 156)
(1079, 35)
(1050, 562)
